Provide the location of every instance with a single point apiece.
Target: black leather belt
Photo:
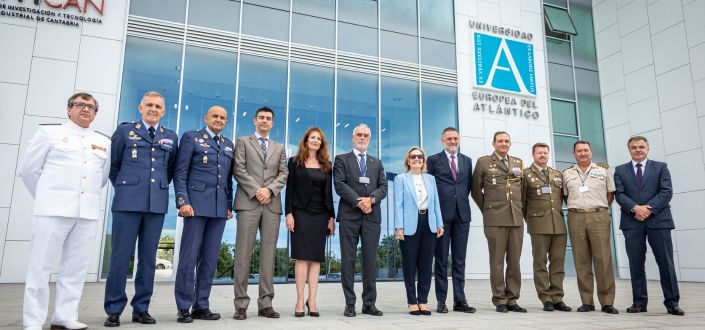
(596, 209)
(423, 211)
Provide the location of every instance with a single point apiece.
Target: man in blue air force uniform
(203, 182)
(142, 166)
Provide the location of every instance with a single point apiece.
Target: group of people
(65, 167)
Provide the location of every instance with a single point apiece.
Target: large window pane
(215, 14)
(209, 80)
(310, 103)
(558, 51)
(400, 121)
(438, 53)
(440, 110)
(584, 42)
(357, 104)
(320, 8)
(262, 83)
(437, 19)
(590, 112)
(357, 39)
(561, 81)
(167, 10)
(278, 4)
(564, 150)
(398, 16)
(358, 12)
(400, 47)
(564, 117)
(265, 22)
(559, 20)
(313, 31)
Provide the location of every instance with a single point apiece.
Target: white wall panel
(113, 26)
(50, 85)
(690, 239)
(644, 116)
(670, 49)
(694, 22)
(611, 74)
(687, 171)
(14, 262)
(632, 16)
(614, 109)
(14, 67)
(99, 66)
(699, 91)
(12, 101)
(636, 50)
(662, 14)
(604, 14)
(640, 84)
(7, 172)
(697, 62)
(675, 88)
(686, 209)
(678, 128)
(610, 42)
(57, 42)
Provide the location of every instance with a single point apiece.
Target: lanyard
(580, 176)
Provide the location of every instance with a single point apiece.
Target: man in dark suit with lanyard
(643, 192)
(453, 173)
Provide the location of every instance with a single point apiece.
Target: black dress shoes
(205, 314)
(371, 310)
(112, 321)
(268, 312)
(516, 308)
(548, 307)
(463, 307)
(586, 308)
(414, 312)
(609, 309)
(349, 311)
(636, 309)
(240, 314)
(143, 318)
(502, 309)
(183, 316)
(675, 310)
(561, 306)
(310, 313)
(442, 308)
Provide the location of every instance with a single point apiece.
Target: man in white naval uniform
(65, 168)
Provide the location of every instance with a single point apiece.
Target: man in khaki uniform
(496, 189)
(543, 211)
(589, 190)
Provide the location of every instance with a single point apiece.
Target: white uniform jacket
(65, 167)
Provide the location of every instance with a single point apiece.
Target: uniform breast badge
(205, 159)
(134, 153)
(65, 139)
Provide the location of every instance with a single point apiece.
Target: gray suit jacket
(346, 175)
(252, 172)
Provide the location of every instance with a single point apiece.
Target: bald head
(216, 118)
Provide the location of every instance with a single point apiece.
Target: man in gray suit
(361, 184)
(260, 170)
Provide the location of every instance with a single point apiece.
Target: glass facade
(303, 91)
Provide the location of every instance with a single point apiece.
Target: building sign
(505, 81)
(62, 12)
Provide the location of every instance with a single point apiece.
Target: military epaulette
(574, 166)
(50, 124)
(603, 165)
(483, 157)
(103, 134)
(163, 129)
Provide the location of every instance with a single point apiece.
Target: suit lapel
(409, 179)
(141, 130)
(255, 144)
(209, 140)
(645, 174)
(498, 161)
(271, 148)
(356, 162)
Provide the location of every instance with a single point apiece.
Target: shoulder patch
(603, 165)
(103, 134)
(126, 123)
(570, 167)
(50, 124)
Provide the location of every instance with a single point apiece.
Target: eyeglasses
(416, 157)
(362, 135)
(82, 105)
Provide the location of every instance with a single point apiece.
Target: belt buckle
(423, 211)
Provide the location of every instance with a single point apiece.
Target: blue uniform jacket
(140, 169)
(203, 177)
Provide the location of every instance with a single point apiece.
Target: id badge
(545, 190)
(584, 189)
(364, 180)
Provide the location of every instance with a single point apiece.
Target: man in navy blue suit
(141, 168)
(644, 191)
(203, 180)
(453, 173)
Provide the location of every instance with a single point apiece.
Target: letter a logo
(504, 64)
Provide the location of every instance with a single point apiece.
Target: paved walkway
(391, 299)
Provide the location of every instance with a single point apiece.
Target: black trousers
(455, 240)
(351, 232)
(417, 260)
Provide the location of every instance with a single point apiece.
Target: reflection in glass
(320, 8)
(167, 10)
(209, 79)
(400, 47)
(357, 104)
(215, 14)
(438, 53)
(265, 22)
(584, 43)
(564, 117)
(314, 31)
(559, 20)
(357, 39)
(440, 110)
(561, 81)
(437, 20)
(310, 103)
(278, 4)
(358, 12)
(400, 121)
(262, 83)
(399, 16)
(558, 51)
(564, 149)
(590, 112)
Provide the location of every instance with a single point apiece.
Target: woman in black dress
(309, 213)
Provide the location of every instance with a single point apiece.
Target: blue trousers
(455, 237)
(129, 227)
(198, 258)
(662, 247)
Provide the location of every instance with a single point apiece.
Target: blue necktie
(639, 174)
(363, 165)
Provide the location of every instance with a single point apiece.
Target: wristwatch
(372, 199)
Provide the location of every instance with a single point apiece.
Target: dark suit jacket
(299, 189)
(346, 174)
(452, 194)
(655, 190)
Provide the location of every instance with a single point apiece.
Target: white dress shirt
(643, 166)
(421, 192)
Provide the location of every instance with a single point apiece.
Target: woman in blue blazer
(418, 222)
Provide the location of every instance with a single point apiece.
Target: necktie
(263, 143)
(505, 162)
(151, 132)
(639, 174)
(545, 174)
(453, 168)
(363, 165)
(216, 139)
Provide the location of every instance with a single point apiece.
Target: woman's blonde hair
(406, 159)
